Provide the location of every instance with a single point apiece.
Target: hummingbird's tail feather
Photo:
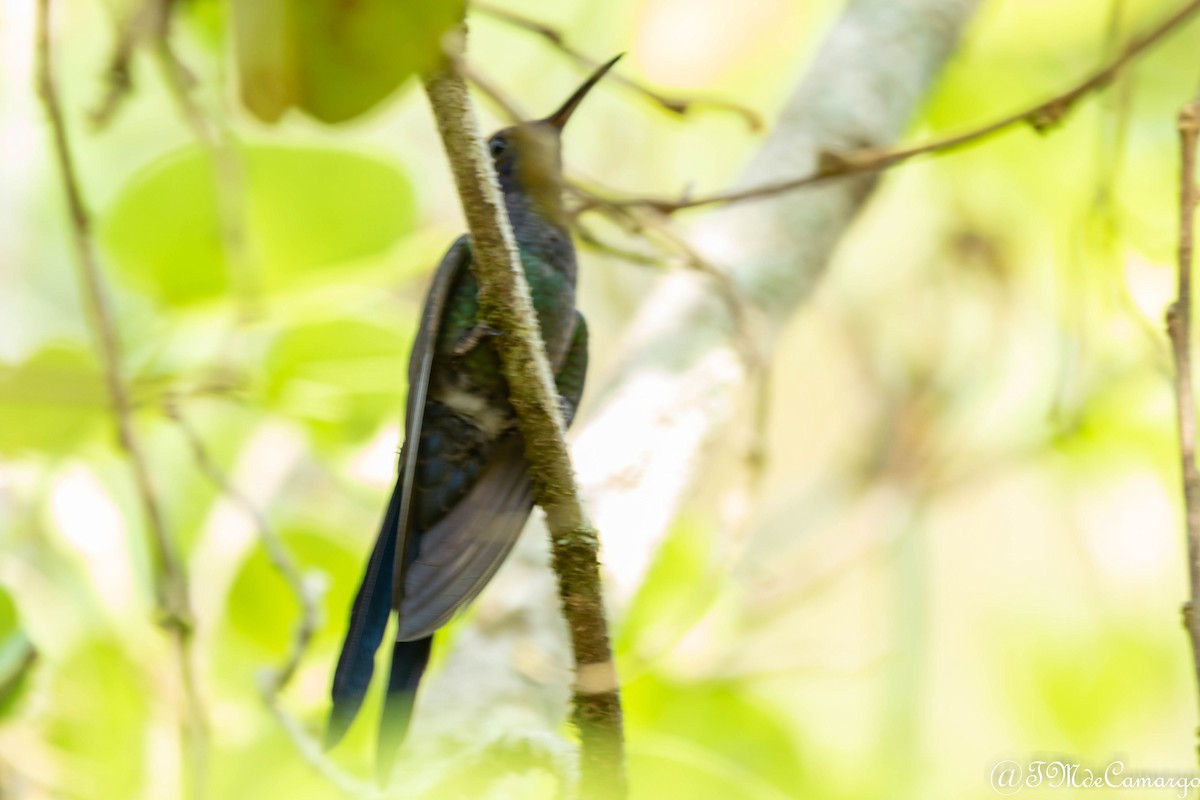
(409, 660)
(368, 620)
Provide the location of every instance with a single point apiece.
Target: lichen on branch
(506, 306)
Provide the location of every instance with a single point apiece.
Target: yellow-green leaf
(298, 210)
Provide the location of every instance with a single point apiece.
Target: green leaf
(1085, 687)
(58, 396)
(342, 376)
(97, 718)
(263, 611)
(305, 209)
(676, 592)
(707, 739)
(17, 655)
(334, 59)
(207, 19)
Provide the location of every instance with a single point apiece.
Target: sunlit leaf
(305, 209)
(334, 59)
(58, 395)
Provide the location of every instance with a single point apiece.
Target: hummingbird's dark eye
(497, 146)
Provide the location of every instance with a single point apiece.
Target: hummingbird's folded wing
(369, 616)
(459, 555)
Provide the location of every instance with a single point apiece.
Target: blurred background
(965, 545)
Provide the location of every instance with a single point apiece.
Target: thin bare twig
(591, 240)
(276, 550)
(229, 190)
(228, 174)
(171, 589)
(118, 80)
(758, 367)
(746, 343)
(681, 106)
(274, 681)
(311, 752)
(505, 305)
(758, 452)
(508, 108)
(637, 223)
(216, 382)
(735, 301)
(149, 26)
(1179, 329)
(640, 224)
(729, 292)
(1042, 117)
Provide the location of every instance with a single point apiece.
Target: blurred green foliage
(341, 376)
(965, 545)
(58, 394)
(17, 655)
(332, 59)
(305, 209)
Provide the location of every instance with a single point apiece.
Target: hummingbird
(462, 493)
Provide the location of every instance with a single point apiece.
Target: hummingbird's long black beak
(559, 118)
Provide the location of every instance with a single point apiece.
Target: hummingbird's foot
(473, 338)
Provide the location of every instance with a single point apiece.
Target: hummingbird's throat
(539, 170)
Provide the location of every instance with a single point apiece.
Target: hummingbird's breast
(471, 384)
(475, 403)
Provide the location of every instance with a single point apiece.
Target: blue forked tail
(409, 660)
(368, 621)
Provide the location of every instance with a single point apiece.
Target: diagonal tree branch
(505, 305)
(841, 163)
(171, 587)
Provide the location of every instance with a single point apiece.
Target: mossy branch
(505, 305)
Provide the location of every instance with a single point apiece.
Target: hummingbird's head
(528, 156)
